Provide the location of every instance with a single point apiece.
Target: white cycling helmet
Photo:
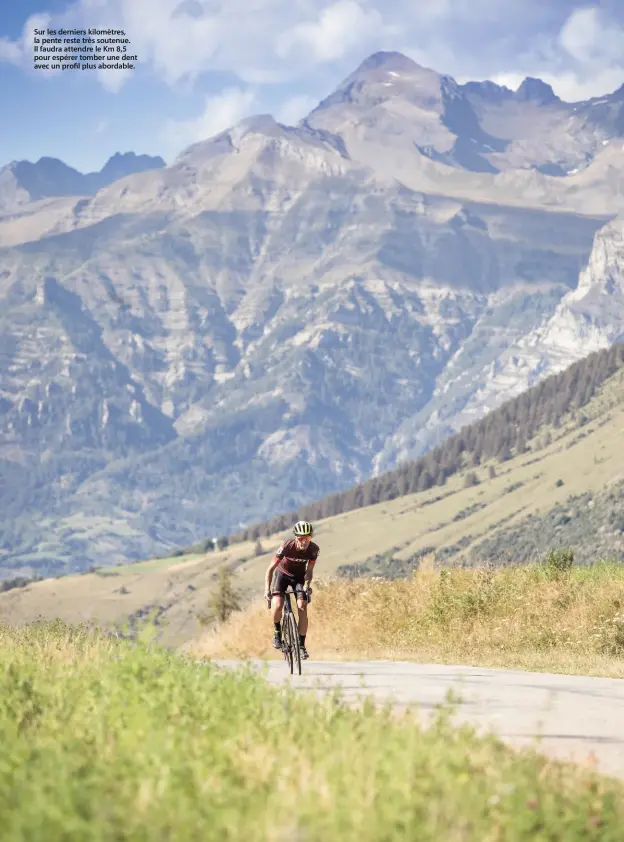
(302, 528)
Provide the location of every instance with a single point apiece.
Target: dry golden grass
(516, 617)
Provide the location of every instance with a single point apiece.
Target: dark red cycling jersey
(292, 560)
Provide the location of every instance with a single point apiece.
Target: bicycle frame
(291, 649)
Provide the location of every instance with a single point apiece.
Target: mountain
(281, 313)
(392, 102)
(561, 486)
(560, 403)
(23, 181)
(587, 318)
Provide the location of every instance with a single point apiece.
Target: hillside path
(574, 717)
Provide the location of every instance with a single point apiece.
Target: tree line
(501, 434)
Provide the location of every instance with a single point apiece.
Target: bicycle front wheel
(296, 651)
(286, 641)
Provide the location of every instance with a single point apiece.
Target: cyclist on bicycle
(292, 564)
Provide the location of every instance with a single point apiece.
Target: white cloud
(20, 51)
(583, 58)
(294, 109)
(507, 80)
(220, 112)
(113, 80)
(10, 51)
(337, 30)
(593, 45)
(574, 88)
(589, 38)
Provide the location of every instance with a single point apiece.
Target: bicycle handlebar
(289, 590)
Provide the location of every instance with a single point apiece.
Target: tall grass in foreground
(105, 740)
(531, 617)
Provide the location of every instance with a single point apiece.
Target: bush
(18, 582)
(224, 601)
(559, 562)
(471, 479)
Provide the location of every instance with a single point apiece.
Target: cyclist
(292, 564)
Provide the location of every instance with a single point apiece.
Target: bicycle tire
(286, 632)
(296, 651)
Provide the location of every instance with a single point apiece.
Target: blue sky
(205, 64)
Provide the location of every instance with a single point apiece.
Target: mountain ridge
(52, 178)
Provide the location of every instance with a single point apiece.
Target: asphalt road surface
(571, 717)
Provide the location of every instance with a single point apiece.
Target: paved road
(573, 716)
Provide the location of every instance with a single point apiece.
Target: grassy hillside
(536, 617)
(564, 489)
(104, 741)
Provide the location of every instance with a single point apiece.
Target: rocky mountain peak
(384, 76)
(47, 177)
(488, 90)
(259, 126)
(127, 163)
(390, 60)
(535, 90)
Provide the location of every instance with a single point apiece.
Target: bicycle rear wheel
(294, 636)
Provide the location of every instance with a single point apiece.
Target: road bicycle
(290, 632)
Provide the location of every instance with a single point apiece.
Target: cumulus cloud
(589, 37)
(333, 34)
(10, 51)
(20, 51)
(584, 59)
(219, 113)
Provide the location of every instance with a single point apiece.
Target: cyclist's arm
(309, 571)
(269, 573)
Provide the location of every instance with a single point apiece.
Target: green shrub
(224, 601)
(559, 562)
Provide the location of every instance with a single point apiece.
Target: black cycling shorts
(282, 580)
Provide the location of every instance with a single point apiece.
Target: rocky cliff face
(483, 373)
(278, 314)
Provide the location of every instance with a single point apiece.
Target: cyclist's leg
(278, 590)
(302, 608)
